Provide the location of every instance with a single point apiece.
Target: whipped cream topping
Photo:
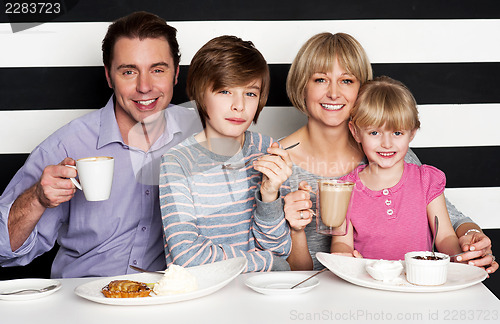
(386, 265)
(385, 270)
(176, 280)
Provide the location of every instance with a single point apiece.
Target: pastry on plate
(126, 289)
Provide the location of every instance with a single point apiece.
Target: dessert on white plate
(176, 280)
(425, 270)
(384, 270)
(210, 278)
(353, 270)
(125, 289)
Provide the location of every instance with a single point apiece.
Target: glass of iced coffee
(332, 201)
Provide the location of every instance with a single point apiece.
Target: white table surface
(333, 300)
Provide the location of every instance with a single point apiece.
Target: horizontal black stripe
(464, 166)
(53, 88)
(192, 10)
(10, 164)
(86, 87)
(447, 83)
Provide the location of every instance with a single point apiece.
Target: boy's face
(231, 110)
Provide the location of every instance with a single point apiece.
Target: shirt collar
(108, 128)
(172, 126)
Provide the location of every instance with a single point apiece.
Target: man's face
(142, 75)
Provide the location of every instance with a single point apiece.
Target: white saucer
(279, 283)
(18, 284)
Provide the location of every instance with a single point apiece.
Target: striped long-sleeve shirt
(211, 214)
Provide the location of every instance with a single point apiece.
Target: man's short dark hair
(140, 25)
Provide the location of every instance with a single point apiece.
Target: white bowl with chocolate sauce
(423, 269)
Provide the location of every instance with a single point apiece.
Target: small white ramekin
(426, 272)
(384, 270)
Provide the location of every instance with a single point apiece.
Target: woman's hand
(276, 167)
(477, 248)
(297, 207)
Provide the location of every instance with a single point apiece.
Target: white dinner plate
(18, 284)
(353, 270)
(279, 283)
(210, 278)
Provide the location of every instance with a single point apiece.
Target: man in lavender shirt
(101, 238)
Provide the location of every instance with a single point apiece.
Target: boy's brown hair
(226, 61)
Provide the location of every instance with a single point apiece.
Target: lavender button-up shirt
(98, 238)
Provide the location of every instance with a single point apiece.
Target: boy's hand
(276, 167)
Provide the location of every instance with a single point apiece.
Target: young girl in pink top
(393, 202)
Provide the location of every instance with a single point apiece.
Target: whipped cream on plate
(176, 280)
(384, 270)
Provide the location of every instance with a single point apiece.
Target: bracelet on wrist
(472, 230)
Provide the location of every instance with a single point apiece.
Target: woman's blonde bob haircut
(385, 102)
(318, 54)
(223, 62)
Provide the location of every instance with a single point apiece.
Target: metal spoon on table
(240, 166)
(41, 290)
(317, 273)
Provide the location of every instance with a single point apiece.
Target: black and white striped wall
(446, 52)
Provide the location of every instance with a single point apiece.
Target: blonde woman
(323, 83)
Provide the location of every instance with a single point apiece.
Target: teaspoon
(314, 275)
(41, 290)
(436, 225)
(144, 270)
(240, 166)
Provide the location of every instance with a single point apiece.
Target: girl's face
(231, 110)
(330, 95)
(383, 147)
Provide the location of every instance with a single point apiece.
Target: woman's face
(330, 95)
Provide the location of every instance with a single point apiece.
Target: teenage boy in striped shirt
(211, 212)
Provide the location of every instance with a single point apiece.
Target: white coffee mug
(95, 175)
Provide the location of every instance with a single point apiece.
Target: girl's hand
(276, 167)
(297, 207)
